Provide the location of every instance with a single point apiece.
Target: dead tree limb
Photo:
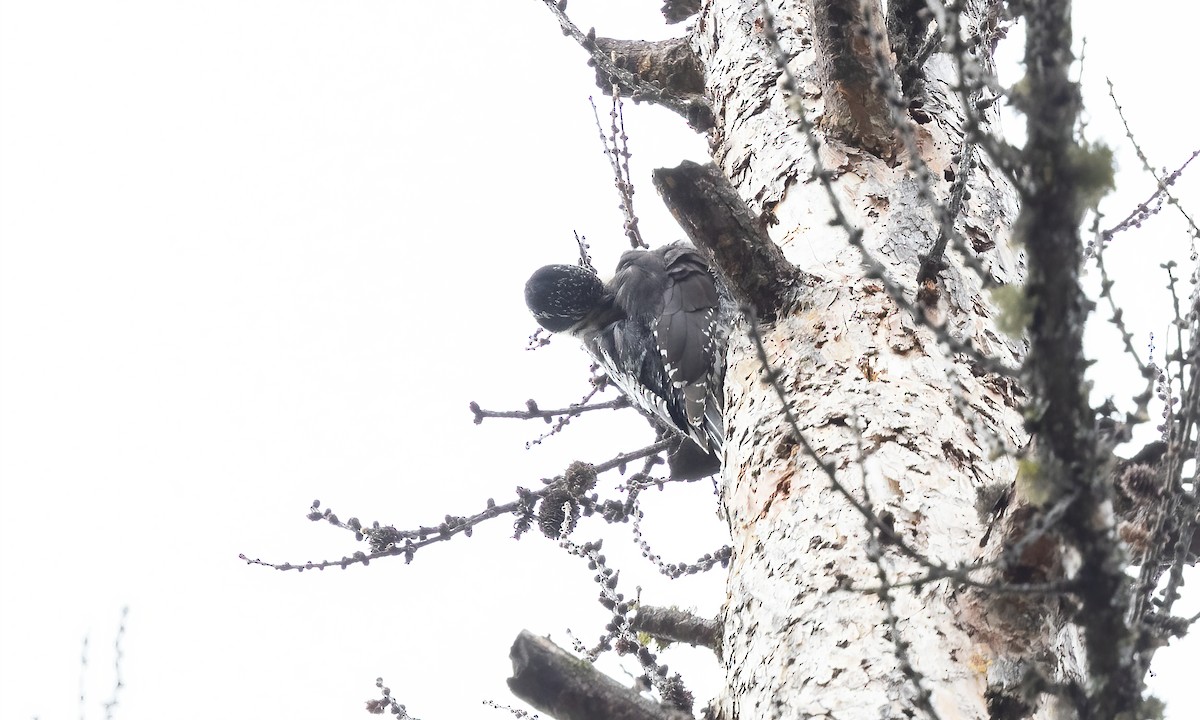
(675, 625)
(693, 108)
(569, 688)
(668, 64)
(855, 111)
(716, 219)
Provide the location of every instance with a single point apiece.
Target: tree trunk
(914, 431)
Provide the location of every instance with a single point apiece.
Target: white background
(256, 253)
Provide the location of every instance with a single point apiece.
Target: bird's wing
(685, 334)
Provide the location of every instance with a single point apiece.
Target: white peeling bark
(795, 644)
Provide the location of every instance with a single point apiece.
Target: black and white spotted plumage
(658, 328)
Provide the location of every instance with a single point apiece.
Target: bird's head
(560, 296)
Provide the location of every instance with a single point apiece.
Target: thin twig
(616, 149)
(533, 412)
(388, 541)
(118, 658)
(1137, 148)
(1151, 205)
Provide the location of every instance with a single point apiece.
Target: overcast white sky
(260, 252)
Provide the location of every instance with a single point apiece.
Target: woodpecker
(658, 328)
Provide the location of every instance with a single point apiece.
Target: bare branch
(532, 410)
(675, 625)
